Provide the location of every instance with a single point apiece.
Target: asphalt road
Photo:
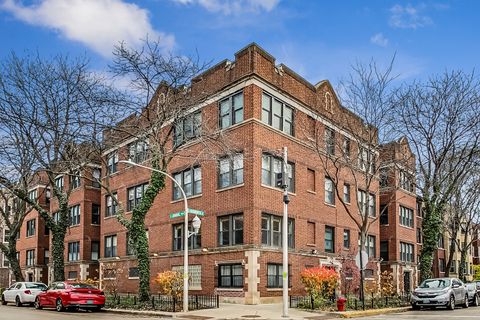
(27, 313)
(458, 314)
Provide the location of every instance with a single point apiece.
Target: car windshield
(82, 286)
(40, 286)
(435, 283)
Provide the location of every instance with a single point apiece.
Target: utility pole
(285, 233)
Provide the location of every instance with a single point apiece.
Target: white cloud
(232, 6)
(409, 17)
(98, 24)
(379, 39)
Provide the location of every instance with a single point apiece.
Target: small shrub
(171, 283)
(320, 282)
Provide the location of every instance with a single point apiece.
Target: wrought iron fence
(161, 302)
(352, 303)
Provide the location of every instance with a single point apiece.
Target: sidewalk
(236, 311)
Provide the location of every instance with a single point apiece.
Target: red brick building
(262, 107)
(400, 219)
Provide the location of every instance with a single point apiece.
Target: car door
(458, 291)
(59, 289)
(48, 299)
(9, 294)
(16, 291)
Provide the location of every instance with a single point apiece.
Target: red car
(71, 295)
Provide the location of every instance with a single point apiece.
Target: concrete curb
(366, 313)
(141, 312)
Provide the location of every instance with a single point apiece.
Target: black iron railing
(352, 303)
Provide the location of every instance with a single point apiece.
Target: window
(366, 160)
(30, 228)
(96, 176)
(133, 272)
(329, 191)
(194, 241)
(74, 251)
(134, 196)
(72, 275)
(231, 110)
(271, 166)
(109, 274)
(369, 274)
(453, 266)
(346, 238)
(406, 217)
(272, 231)
(30, 258)
(194, 274)
(95, 254)
(370, 206)
(346, 193)
(329, 239)
(384, 250)
(370, 245)
(111, 207)
(230, 171)
(311, 232)
(277, 114)
(441, 242)
(59, 183)
(74, 215)
(275, 275)
(329, 141)
(112, 162)
(383, 174)
(419, 235)
(230, 276)
(32, 195)
(5, 262)
(46, 256)
(138, 151)
(406, 252)
(311, 180)
(230, 230)
(6, 234)
(346, 148)
(383, 214)
(187, 128)
(130, 245)
(406, 181)
(75, 180)
(190, 180)
(110, 246)
(95, 214)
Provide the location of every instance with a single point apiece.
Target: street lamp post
(186, 234)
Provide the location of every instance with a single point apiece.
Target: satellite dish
(364, 260)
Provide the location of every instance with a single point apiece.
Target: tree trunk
(136, 229)
(463, 264)
(431, 228)
(14, 263)
(58, 249)
(451, 251)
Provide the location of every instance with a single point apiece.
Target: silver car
(473, 293)
(440, 292)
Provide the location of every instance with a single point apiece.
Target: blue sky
(317, 39)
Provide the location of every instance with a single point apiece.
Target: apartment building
(262, 107)
(33, 239)
(476, 245)
(82, 241)
(400, 219)
(5, 204)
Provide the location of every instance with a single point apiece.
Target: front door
(30, 277)
(406, 282)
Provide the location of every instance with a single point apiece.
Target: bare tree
(441, 118)
(353, 149)
(165, 118)
(54, 106)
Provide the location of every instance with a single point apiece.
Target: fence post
(134, 300)
(218, 301)
(174, 303)
(153, 302)
(311, 302)
(356, 304)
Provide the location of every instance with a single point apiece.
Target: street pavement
(457, 314)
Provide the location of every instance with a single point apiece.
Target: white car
(22, 292)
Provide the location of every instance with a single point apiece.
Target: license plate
(426, 301)
(89, 301)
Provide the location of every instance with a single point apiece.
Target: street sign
(364, 260)
(182, 213)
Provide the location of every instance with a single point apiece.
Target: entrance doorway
(407, 281)
(30, 277)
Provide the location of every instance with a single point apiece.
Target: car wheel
(59, 305)
(415, 306)
(18, 303)
(451, 304)
(3, 300)
(466, 303)
(475, 301)
(37, 304)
